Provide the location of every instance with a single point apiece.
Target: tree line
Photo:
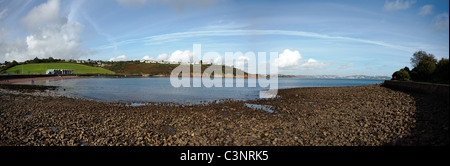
(426, 68)
(8, 64)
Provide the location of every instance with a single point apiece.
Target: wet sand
(29, 80)
(338, 116)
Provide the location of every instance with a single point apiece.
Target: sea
(160, 89)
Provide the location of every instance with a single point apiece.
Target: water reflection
(141, 90)
(266, 108)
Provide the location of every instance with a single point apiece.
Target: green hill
(154, 68)
(41, 68)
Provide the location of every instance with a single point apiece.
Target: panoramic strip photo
(223, 73)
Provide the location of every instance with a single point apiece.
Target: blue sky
(316, 37)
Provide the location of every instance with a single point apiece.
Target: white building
(58, 72)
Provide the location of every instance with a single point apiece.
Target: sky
(315, 37)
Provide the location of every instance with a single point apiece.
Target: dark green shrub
(423, 71)
(401, 75)
(441, 74)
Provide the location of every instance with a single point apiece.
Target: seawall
(419, 87)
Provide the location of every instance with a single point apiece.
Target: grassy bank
(41, 68)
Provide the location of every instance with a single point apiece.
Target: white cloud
(179, 5)
(182, 56)
(291, 61)
(288, 58)
(426, 10)
(3, 13)
(132, 2)
(218, 60)
(147, 58)
(43, 15)
(162, 57)
(441, 21)
(312, 64)
(166, 38)
(119, 58)
(58, 42)
(346, 66)
(398, 4)
(242, 61)
(50, 36)
(3, 33)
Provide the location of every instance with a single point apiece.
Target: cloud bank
(3, 13)
(182, 56)
(44, 15)
(119, 58)
(441, 22)
(51, 35)
(178, 5)
(398, 4)
(288, 58)
(170, 37)
(426, 10)
(132, 2)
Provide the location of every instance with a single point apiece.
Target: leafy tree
(407, 69)
(423, 71)
(14, 63)
(425, 68)
(401, 75)
(422, 56)
(36, 60)
(441, 74)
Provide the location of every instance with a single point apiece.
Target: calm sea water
(160, 89)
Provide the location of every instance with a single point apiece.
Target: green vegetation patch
(41, 68)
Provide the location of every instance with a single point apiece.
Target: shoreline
(23, 80)
(42, 77)
(26, 82)
(339, 116)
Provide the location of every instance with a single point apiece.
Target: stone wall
(437, 89)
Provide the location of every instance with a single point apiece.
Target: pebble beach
(328, 116)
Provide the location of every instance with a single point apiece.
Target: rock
(338, 116)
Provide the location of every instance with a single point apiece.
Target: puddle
(268, 94)
(171, 130)
(154, 104)
(54, 129)
(28, 116)
(135, 104)
(131, 104)
(266, 108)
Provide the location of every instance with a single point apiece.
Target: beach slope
(364, 115)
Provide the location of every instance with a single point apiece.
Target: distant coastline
(139, 69)
(337, 77)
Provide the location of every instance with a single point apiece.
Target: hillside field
(41, 68)
(154, 68)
